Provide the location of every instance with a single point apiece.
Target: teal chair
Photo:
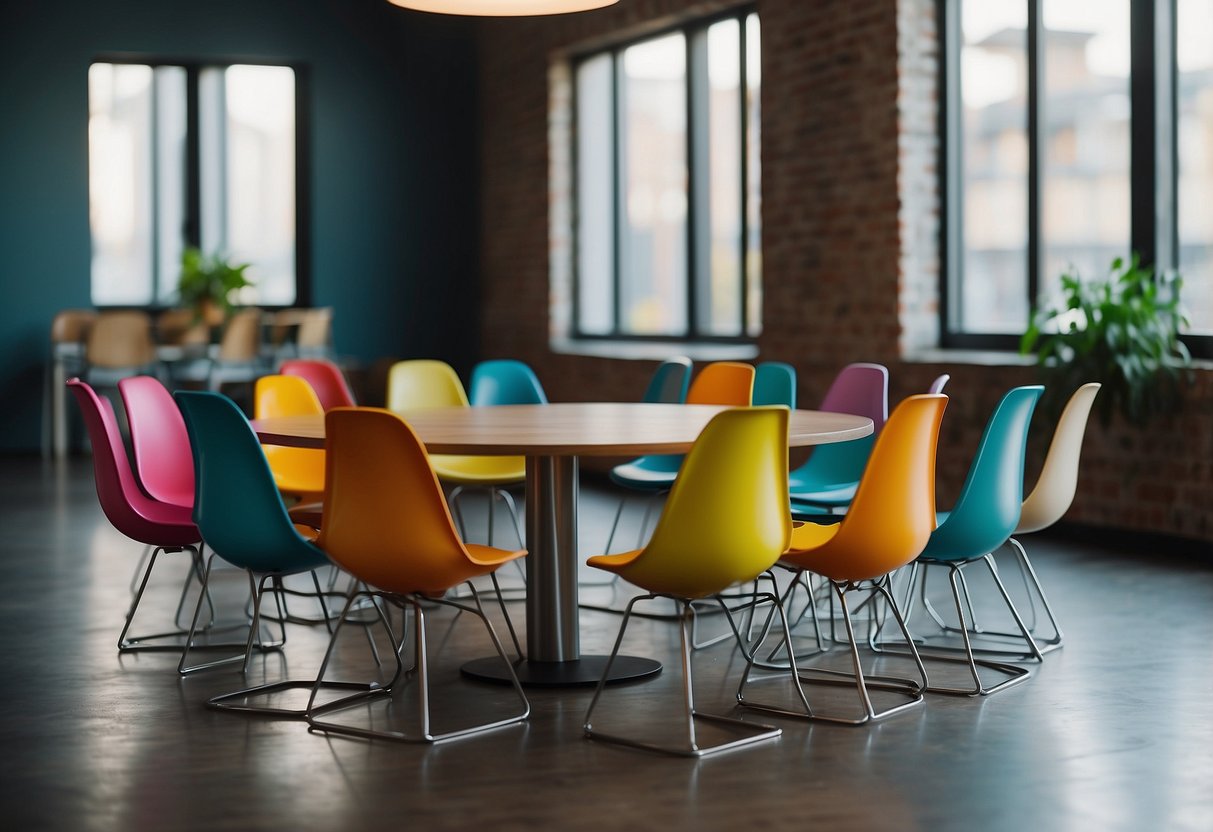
(505, 381)
(240, 513)
(654, 473)
(983, 519)
(775, 383)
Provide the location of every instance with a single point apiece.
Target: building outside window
(666, 185)
(1046, 102)
(191, 155)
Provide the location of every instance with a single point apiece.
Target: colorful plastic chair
(166, 527)
(775, 383)
(983, 519)
(1050, 499)
(298, 472)
(722, 382)
(669, 382)
(725, 523)
(940, 382)
(505, 381)
(424, 384)
(887, 526)
(325, 378)
(161, 445)
(827, 480)
(241, 515)
(388, 525)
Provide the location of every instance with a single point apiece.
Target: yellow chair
(726, 522)
(388, 525)
(886, 527)
(425, 384)
(298, 472)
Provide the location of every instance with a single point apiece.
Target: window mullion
(1036, 126)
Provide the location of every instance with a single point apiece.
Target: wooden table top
(568, 429)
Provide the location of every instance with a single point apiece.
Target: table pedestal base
(586, 670)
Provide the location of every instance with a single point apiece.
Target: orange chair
(389, 526)
(298, 472)
(888, 524)
(723, 382)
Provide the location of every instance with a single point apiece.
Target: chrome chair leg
(425, 732)
(754, 732)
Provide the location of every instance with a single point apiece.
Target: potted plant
(1121, 330)
(207, 282)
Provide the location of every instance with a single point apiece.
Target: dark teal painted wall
(392, 166)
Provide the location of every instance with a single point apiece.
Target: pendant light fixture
(502, 8)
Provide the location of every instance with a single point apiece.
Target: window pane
(991, 294)
(718, 215)
(1085, 157)
(170, 83)
(120, 183)
(595, 200)
(654, 170)
(1195, 137)
(753, 197)
(260, 156)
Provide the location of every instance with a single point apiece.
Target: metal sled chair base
(909, 688)
(754, 732)
(425, 733)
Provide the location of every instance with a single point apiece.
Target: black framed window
(193, 154)
(1075, 131)
(667, 223)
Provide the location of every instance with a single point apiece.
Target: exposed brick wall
(850, 237)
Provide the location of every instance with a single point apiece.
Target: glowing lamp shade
(502, 8)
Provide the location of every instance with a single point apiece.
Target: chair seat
(615, 562)
(649, 473)
(479, 470)
(807, 536)
(829, 494)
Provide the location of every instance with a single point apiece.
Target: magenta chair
(326, 379)
(163, 459)
(165, 526)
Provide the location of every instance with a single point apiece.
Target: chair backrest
(775, 383)
(726, 519)
(988, 508)
(669, 382)
(422, 384)
(1058, 480)
(159, 440)
(182, 327)
(241, 339)
(127, 508)
(325, 378)
(236, 504)
(120, 340)
(315, 330)
(940, 382)
(71, 326)
(505, 381)
(892, 514)
(385, 518)
(862, 389)
(283, 395)
(723, 382)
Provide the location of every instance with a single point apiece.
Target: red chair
(326, 379)
(167, 527)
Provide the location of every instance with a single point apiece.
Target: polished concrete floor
(1112, 732)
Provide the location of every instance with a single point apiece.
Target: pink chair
(167, 527)
(326, 379)
(163, 459)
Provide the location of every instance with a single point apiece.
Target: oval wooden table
(552, 437)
